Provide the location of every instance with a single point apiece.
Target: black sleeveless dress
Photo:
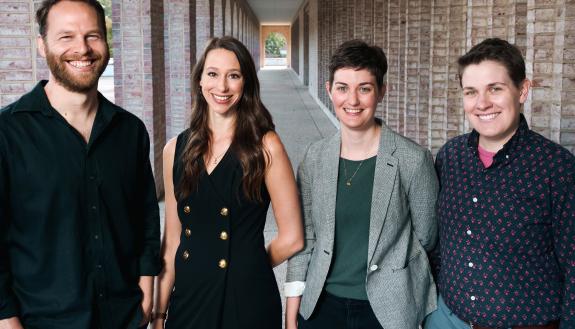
(224, 279)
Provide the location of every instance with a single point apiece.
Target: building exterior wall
(20, 65)
(155, 43)
(294, 44)
(423, 40)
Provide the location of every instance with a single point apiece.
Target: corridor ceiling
(275, 12)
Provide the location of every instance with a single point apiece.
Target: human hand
(146, 306)
(146, 284)
(11, 323)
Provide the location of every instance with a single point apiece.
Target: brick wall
(295, 45)
(136, 26)
(423, 40)
(20, 65)
(179, 61)
(155, 47)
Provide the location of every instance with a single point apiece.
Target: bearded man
(79, 220)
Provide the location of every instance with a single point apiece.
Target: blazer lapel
(330, 167)
(384, 180)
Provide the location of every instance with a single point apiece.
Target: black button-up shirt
(79, 223)
(507, 232)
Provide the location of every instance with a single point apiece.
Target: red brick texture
(155, 47)
(423, 40)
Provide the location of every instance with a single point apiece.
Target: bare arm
(171, 239)
(10, 323)
(281, 186)
(292, 308)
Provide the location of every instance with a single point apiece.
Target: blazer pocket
(409, 261)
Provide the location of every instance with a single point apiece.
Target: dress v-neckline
(210, 173)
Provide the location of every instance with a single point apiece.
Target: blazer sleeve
(423, 191)
(298, 264)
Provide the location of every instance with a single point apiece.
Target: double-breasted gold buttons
(186, 255)
(188, 232)
(224, 235)
(222, 263)
(187, 209)
(224, 211)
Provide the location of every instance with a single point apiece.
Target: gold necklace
(215, 160)
(348, 180)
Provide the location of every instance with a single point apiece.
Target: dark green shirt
(79, 223)
(352, 212)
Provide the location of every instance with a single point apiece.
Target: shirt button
(224, 211)
(472, 297)
(224, 235)
(468, 232)
(188, 232)
(186, 255)
(101, 295)
(506, 156)
(93, 207)
(222, 263)
(470, 264)
(373, 267)
(187, 209)
(92, 177)
(99, 266)
(474, 199)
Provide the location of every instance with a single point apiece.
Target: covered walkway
(299, 121)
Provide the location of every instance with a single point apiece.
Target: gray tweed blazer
(402, 228)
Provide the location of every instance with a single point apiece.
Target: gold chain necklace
(215, 160)
(348, 180)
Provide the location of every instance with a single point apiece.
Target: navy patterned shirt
(507, 232)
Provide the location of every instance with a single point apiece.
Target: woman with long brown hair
(220, 176)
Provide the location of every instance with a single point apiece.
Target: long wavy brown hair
(252, 122)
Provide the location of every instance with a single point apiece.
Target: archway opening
(276, 51)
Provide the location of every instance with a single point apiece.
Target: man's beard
(79, 82)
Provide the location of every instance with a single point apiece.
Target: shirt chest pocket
(522, 210)
(518, 223)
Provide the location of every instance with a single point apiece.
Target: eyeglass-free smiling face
(222, 82)
(492, 102)
(355, 96)
(75, 46)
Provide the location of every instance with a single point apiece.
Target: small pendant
(348, 183)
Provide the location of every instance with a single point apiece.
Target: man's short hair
(497, 50)
(46, 5)
(358, 55)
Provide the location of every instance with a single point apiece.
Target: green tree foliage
(274, 43)
(107, 4)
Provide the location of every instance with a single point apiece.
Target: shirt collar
(511, 146)
(37, 101)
